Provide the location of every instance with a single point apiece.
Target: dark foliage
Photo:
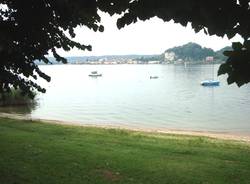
(220, 55)
(238, 64)
(30, 28)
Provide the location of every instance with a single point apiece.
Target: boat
(154, 77)
(210, 83)
(95, 74)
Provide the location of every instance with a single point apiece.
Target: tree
(31, 28)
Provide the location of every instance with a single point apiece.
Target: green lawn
(33, 152)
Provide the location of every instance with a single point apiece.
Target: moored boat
(154, 77)
(210, 83)
(95, 74)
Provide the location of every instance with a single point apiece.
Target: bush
(16, 97)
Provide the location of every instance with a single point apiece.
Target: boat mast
(213, 69)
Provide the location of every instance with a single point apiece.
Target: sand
(211, 134)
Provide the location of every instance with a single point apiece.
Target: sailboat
(211, 82)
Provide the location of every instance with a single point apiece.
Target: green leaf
(224, 68)
(228, 53)
(230, 79)
(237, 46)
(101, 28)
(230, 34)
(247, 44)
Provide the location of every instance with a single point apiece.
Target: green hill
(191, 52)
(194, 52)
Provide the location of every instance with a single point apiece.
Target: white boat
(95, 74)
(210, 83)
(154, 77)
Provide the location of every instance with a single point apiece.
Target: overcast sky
(150, 37)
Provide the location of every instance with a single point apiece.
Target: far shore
(210, 134)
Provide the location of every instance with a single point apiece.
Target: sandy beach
(210, 134)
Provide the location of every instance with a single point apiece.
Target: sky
(149, 37)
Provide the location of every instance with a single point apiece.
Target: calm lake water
(125, 95)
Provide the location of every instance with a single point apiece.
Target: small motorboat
(154, 77)
(95, 74)
(210, 83)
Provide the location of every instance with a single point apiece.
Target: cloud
(150, 37)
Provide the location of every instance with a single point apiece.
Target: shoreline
(209, 134)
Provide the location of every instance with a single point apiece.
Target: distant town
(190, 53)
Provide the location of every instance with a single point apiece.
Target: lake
(126, 96)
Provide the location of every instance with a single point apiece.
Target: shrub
(15, 97)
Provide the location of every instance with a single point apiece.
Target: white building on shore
(169, 57)
(209, 59)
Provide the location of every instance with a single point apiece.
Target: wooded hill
(195, 52)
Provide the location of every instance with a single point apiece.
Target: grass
(35, 152)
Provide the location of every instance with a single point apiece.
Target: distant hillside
(85, 59)
(188, 52)
(147, 58)
(194, 52)
(191, 52)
